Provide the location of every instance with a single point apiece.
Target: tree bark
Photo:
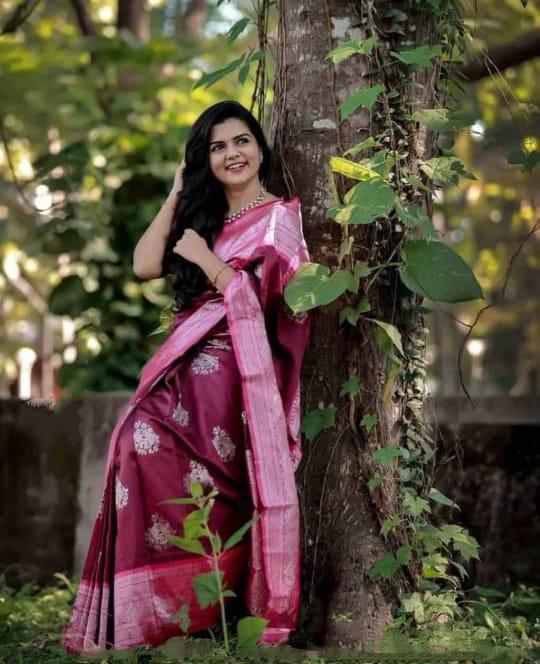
(194, 19)
(341, 605)
(133, 17)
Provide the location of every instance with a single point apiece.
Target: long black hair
(202, 205)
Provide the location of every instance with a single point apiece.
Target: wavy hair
(202, 205)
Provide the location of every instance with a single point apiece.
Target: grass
(498, 625)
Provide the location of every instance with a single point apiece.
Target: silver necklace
(231, 217)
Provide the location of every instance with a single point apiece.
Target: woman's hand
(178, 183)
(191, 246)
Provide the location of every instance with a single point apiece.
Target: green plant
(209, 587)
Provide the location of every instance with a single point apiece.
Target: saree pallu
(219, 403)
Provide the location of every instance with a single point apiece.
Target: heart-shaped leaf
(435, 271)
(366, 201)
(250, 630)
(365, 97)
(313, 286)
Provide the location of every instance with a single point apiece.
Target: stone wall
(52, 466)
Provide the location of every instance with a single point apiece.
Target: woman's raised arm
(148, 254)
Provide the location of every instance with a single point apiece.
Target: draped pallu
(266, 246)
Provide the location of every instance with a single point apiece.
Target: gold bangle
(214, 280)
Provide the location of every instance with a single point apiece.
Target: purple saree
(218, 402)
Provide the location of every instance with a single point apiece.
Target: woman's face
(232, 142)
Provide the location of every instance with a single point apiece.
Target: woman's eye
(243, 140)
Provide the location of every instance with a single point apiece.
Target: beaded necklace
(231, 217)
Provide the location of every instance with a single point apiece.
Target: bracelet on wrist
(214, 280)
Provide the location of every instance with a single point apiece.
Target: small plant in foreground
(209, 587)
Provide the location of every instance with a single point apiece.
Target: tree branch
(497, 59)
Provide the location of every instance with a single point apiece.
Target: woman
(219, 402)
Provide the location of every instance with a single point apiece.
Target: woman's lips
(236, 170)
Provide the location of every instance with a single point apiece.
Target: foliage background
(93, 127)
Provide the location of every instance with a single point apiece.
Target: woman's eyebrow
(234, 138)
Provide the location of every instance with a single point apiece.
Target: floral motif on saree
(223, 444)
(145, 439)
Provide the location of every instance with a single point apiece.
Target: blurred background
(93, 123)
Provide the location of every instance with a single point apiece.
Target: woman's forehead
(229, 129)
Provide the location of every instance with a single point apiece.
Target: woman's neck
(237, 199)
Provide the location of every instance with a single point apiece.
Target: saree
(218, 403)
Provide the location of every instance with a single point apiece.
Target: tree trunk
(342, 606)
(135, 18)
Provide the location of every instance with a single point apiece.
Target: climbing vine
(396, 170)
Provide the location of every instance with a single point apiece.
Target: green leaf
(420, 56)
(393, 373)
(414, 605)
(392, 333)
(181, 617)
(178, 501)
(351, 386)
(415, 217)
(207, 588)
(313, 286)
(352, 47)
(250, 630)
(389, 523)
(193, 524)
(433, 270)
(366, 144)
(386, 455)
(196, 489)
(352, 314)
(462, 540)
(445, 170)
(361, 269)
(212, 77)
(528, 160)
(318, 419)
(415, 505)
(403, 555)
(438, 497)
(229, 593)
(385, 567)
(434, 566)
(239, 534)
(365, 98)
(435, 119)
(368, 421)
(366, 201)
(236, 30)
(416, 182)
(191, 545)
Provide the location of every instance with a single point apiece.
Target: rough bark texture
(342, 607)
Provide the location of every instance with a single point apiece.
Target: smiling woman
(218, 403)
